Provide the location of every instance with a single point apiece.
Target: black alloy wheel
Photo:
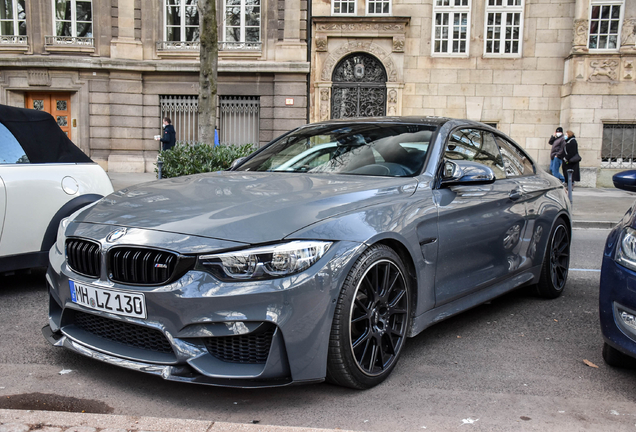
(556, 263)
(371, 320)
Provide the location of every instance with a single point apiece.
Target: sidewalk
(592, 208)
(49, 421)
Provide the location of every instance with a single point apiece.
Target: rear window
(11, 152)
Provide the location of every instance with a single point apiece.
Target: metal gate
(619, 146)
(182, 110)
(239, 119)
(359, 87)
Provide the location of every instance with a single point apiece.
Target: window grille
(239, 119)
(619, 146)
(182, 110)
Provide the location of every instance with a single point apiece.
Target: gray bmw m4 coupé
(314, 258)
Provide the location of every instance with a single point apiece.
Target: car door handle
(514, 195)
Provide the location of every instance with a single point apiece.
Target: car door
(3, 206)
(480, 226)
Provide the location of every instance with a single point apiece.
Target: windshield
(396, 150)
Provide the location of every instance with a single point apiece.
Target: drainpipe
(309, 26)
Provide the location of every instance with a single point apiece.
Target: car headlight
(61, 229)
(626, 249)
(265, 262)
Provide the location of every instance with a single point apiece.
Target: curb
(53, 421)
(593, 224)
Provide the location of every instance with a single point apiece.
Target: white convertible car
(44, 177)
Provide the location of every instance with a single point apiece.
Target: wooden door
(56, 104)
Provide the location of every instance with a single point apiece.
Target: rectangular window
(378, 7)
(181, 21)
(619, 146)
(605, 25)
(73, 18)
(503, 28)
(343, 7)
(242, 24)
(239, 120)
(451, 24)
(12, 18)
(182, 111)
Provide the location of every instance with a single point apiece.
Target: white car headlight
(626, 249)
(265, 262)
(61, 229)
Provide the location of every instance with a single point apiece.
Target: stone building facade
(108, 70)
(525, 66)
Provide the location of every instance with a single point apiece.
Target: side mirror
(237, 162)
(461, 172)
(625, 180)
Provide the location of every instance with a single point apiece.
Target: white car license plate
(116, 302)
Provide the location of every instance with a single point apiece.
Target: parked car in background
(315, 258)
(44, 177)
(617, 295)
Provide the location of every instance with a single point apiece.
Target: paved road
(515, 363)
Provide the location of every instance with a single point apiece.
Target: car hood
(241, 206)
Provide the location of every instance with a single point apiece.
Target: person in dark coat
(557, 141)
(571, 157)
(169, 138)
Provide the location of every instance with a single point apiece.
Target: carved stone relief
(628, 36)
(604, 70)
(398, 44)
(38, 77)
(359, 46)
(361, 27)
(628, 66)
(392, 102)
(580, 35)
(321, 43)
(324, 104)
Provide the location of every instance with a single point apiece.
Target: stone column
(581, 26)
(125, 46)
(291, 48)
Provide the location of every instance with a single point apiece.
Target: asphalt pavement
(592, 208)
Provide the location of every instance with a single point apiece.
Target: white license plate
(115, 302)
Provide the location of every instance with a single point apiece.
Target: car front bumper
(617, 302)
(211, 331)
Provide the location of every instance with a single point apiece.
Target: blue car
(617, 299)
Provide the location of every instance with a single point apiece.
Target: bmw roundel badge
(116, 235)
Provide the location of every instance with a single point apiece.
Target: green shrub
(185, 159)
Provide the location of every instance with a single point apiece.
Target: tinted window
(10, 150)
(516, 161)
(475, 146)
(382, 149)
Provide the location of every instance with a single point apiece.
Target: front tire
(371, 320)
(615, 358)
(556, 262)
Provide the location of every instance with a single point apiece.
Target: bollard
(160, 168)
(570, 171)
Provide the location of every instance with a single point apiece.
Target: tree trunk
(209, 53)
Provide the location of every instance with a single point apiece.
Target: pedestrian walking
(169, 138)
(557, 141)
(571, 157)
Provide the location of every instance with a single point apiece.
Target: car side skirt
(24, 261)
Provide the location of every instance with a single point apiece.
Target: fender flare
(50, 235)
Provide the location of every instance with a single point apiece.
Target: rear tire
(371, 320)
(615, 358)
(556, 262)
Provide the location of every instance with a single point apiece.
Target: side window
(515, 160)
(476, 146)
(11, 151)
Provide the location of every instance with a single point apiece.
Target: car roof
(427, 120)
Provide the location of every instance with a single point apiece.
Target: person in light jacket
(557, 141)
(571, 157)
(169, 138)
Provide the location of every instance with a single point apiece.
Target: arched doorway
(359, 87)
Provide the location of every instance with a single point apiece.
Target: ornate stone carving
(324, 104)
(392, 96)
(398, 44)
(603, 70)
(38, 77)
(321, 43)
(360, 46)
(628, 66)
(580, 35)
(628, 36)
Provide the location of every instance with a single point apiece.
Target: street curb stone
(593, 224)
(50, 421)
